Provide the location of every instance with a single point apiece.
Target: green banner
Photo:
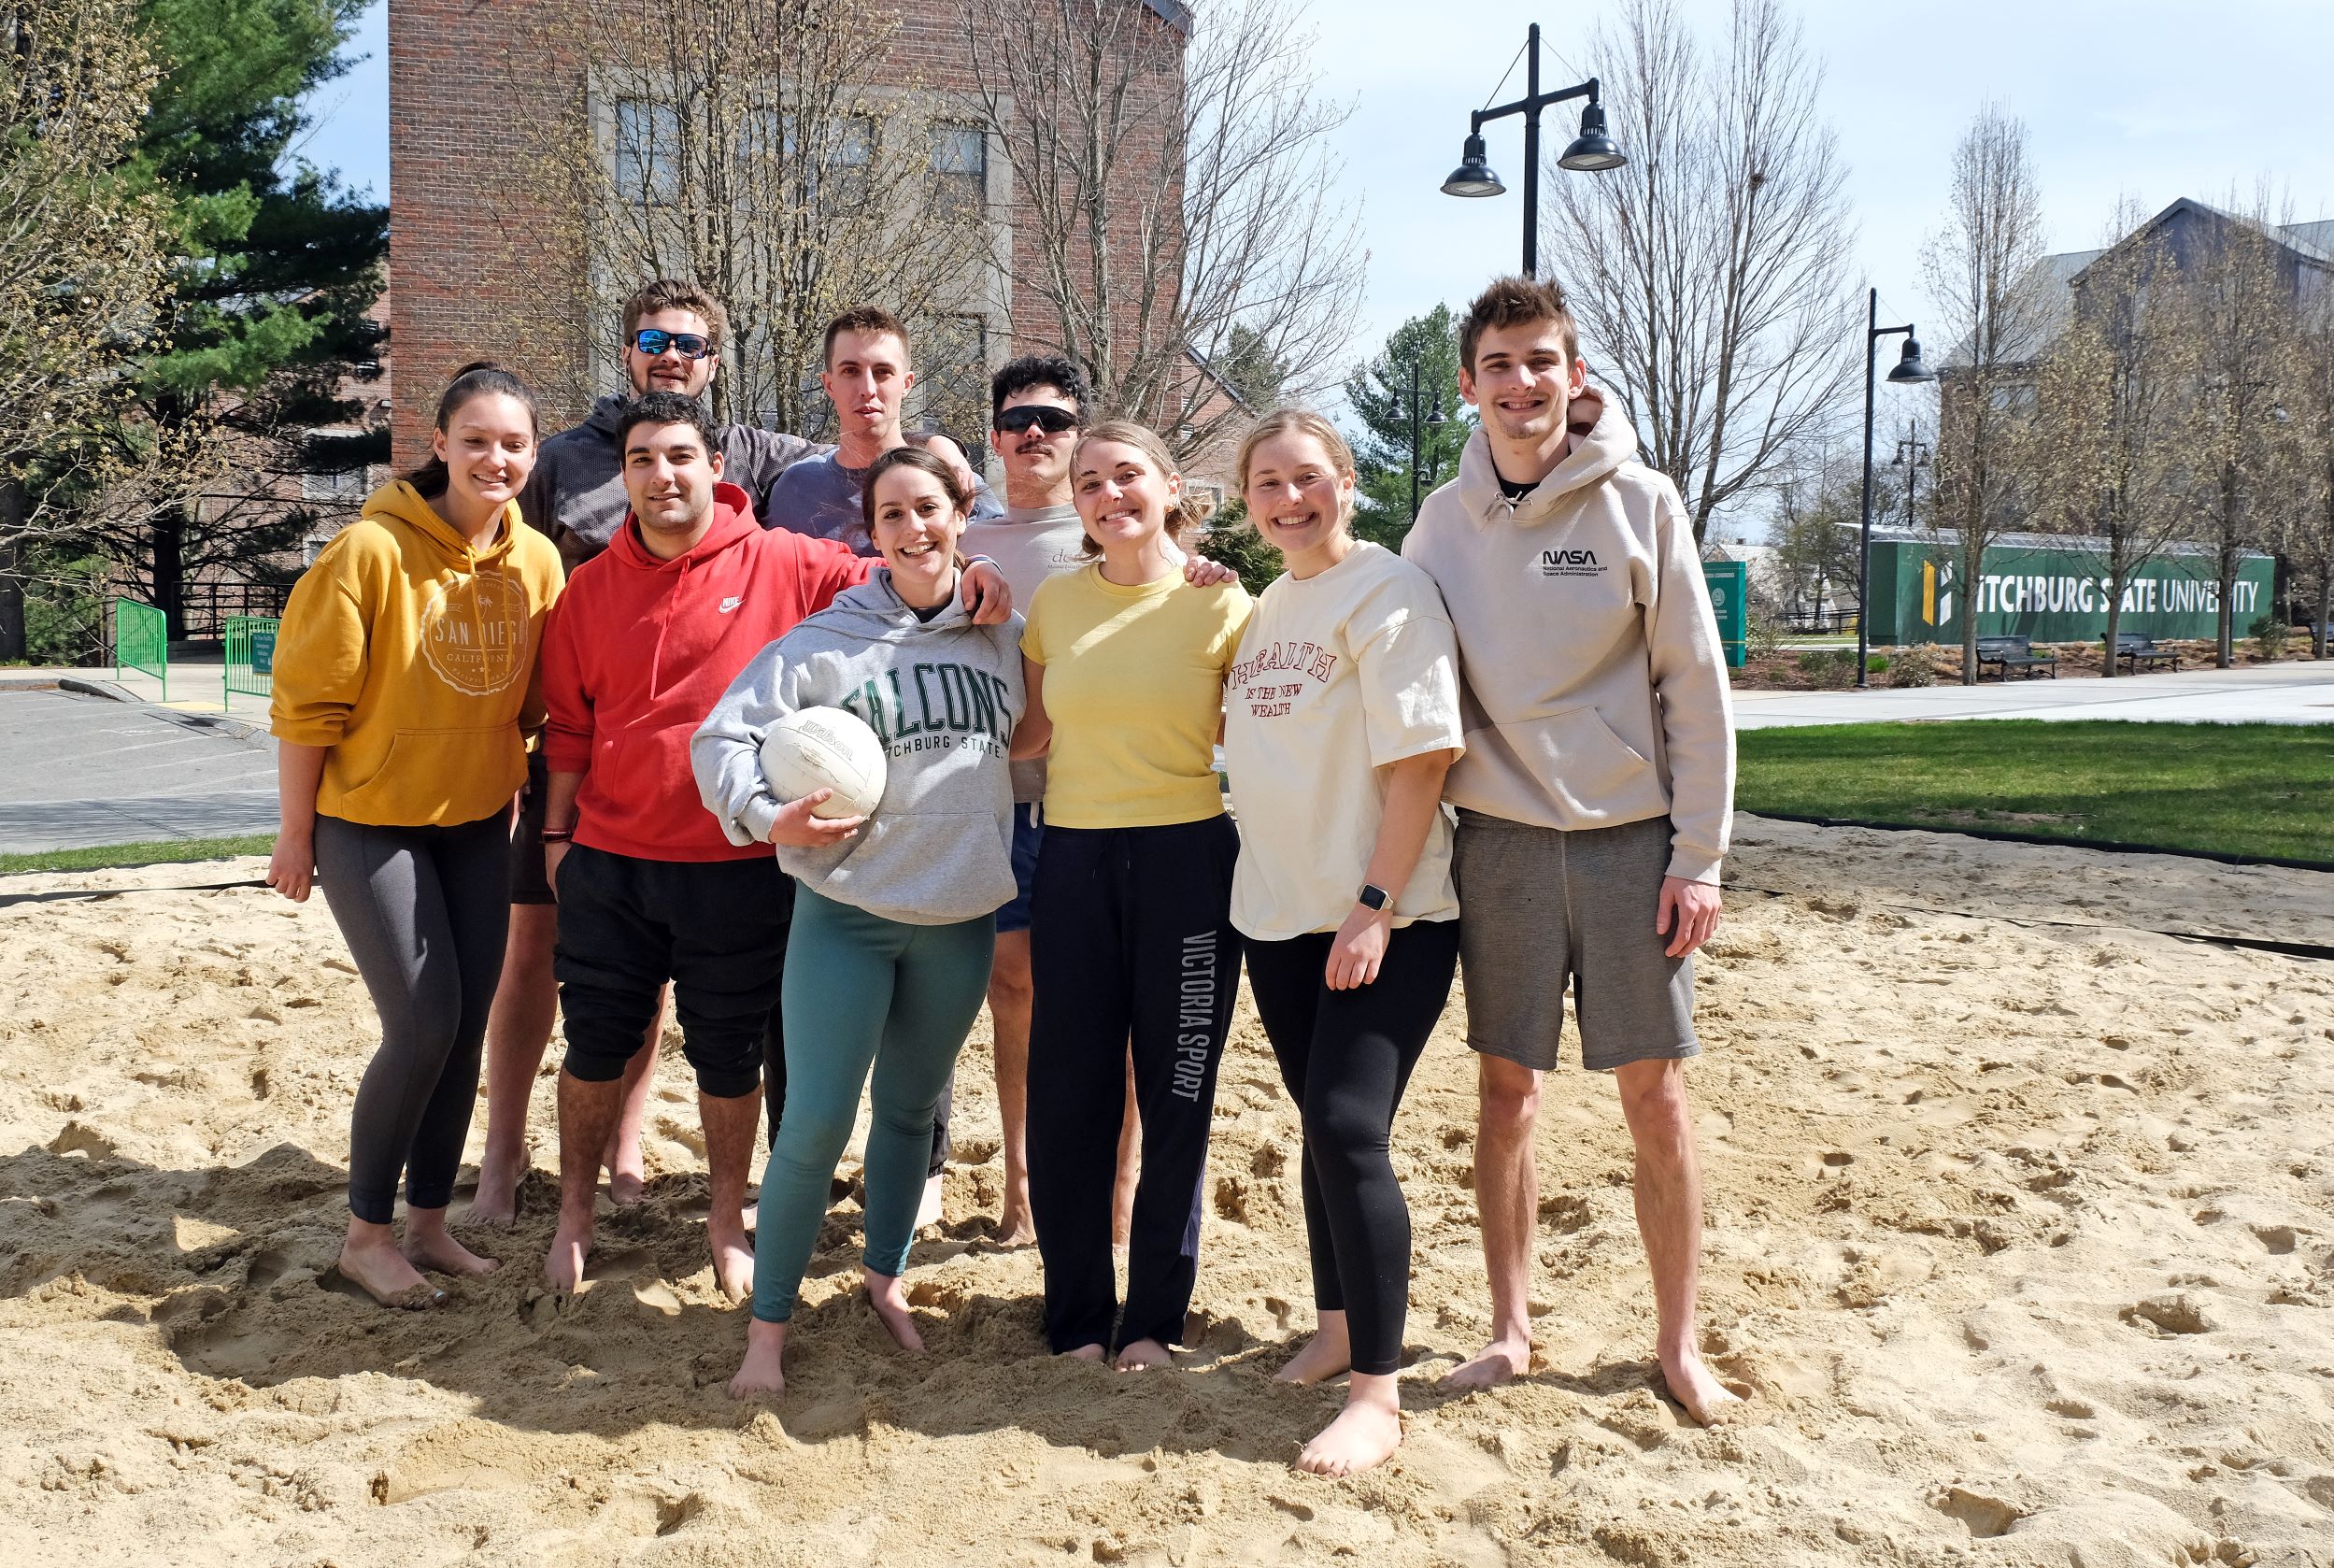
(2053, 591)
(250, 664)
(141, 641)
(1728, 583)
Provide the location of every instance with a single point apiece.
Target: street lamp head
(1434, 415)
(1474, 176)
(1592, 151)
(1911, 370)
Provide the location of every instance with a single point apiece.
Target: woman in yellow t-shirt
(1131, 934)
(406, 672)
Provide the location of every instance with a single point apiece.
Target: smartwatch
(1373, 898)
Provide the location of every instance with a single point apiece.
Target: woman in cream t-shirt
(1341, 718)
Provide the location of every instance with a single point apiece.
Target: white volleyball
(825, 749)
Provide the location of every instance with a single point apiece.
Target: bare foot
(375, 1267)
(1498, 1361)
(496, 1201)
(928, 1210)
(1325, 1356)
(1364, 1433)
(1014, 1227)
(627, 1171)
(1707, 1398)
(1142, 1355)
(571, 1248)
(1085, 1353)
(732, 1257)
(436, 1250)
(760, 1371)
(890, 1299)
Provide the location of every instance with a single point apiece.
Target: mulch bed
(1781, 672)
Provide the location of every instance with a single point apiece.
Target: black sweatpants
(1346, 1056)
(1131, 934)
(715, 929)
(425, 912)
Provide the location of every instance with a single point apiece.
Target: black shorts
(527, 885)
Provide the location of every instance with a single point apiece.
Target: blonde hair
(1296, 421)
(1184, 516)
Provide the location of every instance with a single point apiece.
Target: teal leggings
(861, 991)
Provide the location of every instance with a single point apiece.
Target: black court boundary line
(58, 895)
(2249, 944)
(2000, 836)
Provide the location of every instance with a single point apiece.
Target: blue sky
(2142, 98)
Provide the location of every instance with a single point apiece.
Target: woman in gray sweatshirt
(895, 919)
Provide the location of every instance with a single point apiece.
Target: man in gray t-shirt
(868, 378)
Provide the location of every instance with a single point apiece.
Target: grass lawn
(163, 853)
(2265, 790)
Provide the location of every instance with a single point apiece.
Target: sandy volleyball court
(2022, 1236)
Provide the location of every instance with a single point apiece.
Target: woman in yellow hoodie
(405, 676)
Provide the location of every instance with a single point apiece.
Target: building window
(647, 148)
(334, 484)
(959, 167)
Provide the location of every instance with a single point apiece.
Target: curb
(203, 723)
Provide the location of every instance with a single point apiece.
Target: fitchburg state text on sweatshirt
(1593, 685)
(943, 696)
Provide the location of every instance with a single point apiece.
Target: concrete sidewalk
(2292, 693)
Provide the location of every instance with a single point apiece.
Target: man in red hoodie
(644, 641)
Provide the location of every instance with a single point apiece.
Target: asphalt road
(80, 770)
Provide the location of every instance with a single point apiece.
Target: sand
(2022, 1238)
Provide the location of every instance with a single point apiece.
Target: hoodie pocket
(461, 769)
(1570, 763)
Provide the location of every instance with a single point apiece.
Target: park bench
(2014, 653)
(2137, 647)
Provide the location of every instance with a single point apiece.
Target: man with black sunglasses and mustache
(674, 334)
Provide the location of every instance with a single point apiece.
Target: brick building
(473, 256)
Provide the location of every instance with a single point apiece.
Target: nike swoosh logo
(730, 604)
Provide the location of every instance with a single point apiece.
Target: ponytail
(476, 379)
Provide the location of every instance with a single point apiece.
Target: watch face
(1373, 898)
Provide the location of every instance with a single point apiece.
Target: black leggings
(1131, 934)
(425, 912)
(1346, 1056)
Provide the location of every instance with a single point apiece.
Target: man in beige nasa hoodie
(1594, 796)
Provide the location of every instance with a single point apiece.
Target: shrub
(1876, 665)
(1828, 667)
(1916, 668)
(2269, 634)
(1762, 637)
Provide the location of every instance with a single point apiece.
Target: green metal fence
(250, 657)
(141, 641)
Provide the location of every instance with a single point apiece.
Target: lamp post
(1912, 456)
(1591, 151)
(1909, 371)
(1434, 418)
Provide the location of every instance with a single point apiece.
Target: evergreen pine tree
(1378, 392)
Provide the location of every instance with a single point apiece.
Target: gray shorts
(1539, 904)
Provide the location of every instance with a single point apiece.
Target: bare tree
(1174, 220)
(81, 277)
(776, 152)
(1709, 275)
(1985, 275)
(2312, 453)
(2111, 395)
(2240, 292)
